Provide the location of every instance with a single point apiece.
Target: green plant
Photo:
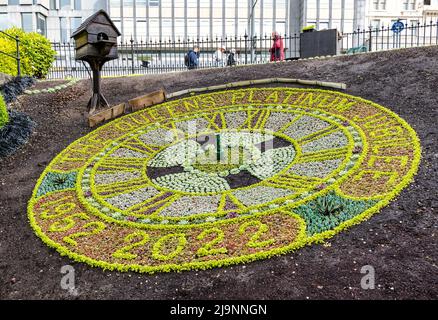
(36, 52)
(330, 210)
(4, 117)
(309, 28)
(145, 57)
(8, 64)
(60, 180)
(330, 204)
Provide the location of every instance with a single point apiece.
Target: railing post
(370, 46)
(17, 40)
(132, 56)
(246, 48)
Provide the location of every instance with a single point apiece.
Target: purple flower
(346, 124)
(88, 194)
(357, 149)
(232, 215)
(131, 218)
(321, 186)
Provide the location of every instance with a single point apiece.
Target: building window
(78, 4)
(52, 5)
(427, 2)
(409, 4)
(412, 4)
(379, 4)
(75, 23)
(64, 31)
(166, 29)
(65, 4)
(26, 21)
(141, 26)
(115, 8)
(4, 24)
(415, 27)
(280, 27)
(13, 2)
(128, 28)
(375, 24)
(41, 24)
(154, 3)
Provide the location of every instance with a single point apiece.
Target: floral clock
(222, 178)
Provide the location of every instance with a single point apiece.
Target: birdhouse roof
(92, 19)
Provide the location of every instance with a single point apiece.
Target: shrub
(12, 89)
(15, 133)
(8, 65)
(4, 117)
(36, 52)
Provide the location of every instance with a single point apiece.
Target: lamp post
(252, 27)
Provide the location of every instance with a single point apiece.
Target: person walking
(219, 57)
(231, 60)
(277, 49)
(191, 59)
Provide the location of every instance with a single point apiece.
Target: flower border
(72, 82)
(300, 241)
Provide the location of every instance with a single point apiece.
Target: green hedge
(8, 65)
(36, 53)
(4, 117)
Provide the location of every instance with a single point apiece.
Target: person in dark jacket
(231, 61)
(193, 58)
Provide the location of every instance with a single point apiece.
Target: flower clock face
(222, 178)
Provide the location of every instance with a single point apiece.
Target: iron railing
(16, 57)
(388, 38)
(144, 57)
(167, 55)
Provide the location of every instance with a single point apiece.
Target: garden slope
(400, 242)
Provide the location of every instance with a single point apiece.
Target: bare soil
(47, 84)
(400, 242)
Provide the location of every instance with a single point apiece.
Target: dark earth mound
(400, 242)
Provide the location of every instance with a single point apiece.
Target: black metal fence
(391, 37)
(168, 55)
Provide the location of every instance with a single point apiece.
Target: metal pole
(330, 13)
(252, 27)
(370, 45)
(132, 56)
(342, 15)
(246, 48)
(218, 148)
(17, 40)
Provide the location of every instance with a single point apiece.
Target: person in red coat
(277, 49)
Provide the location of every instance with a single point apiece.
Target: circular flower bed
(222, 178)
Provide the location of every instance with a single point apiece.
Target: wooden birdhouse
(96, 43)
(96, 38)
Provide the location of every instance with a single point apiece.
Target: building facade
(191, 19)
(54, 19)
(383, 13)
(194, 19)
